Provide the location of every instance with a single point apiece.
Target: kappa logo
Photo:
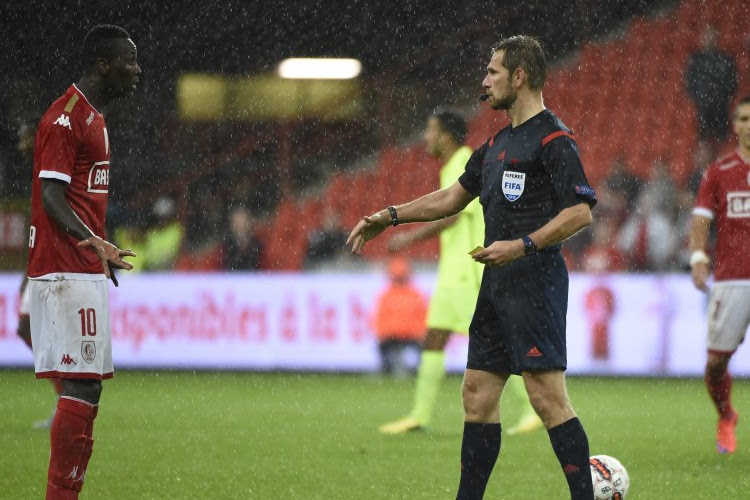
(67, 360)
(63, 121)
(534, 352)
(74, 475)
(513, 184)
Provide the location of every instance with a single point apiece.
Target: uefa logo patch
(513, 184)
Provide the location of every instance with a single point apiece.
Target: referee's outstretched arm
(436, 205)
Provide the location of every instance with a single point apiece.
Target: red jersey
(724, 195)
(71, 146)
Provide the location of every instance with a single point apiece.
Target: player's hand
(500, 253)
(110, 255)
(365, 230)
(700, 274)
(398, 242)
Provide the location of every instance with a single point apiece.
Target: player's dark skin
(104, 81)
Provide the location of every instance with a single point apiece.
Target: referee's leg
(480, 446)
(549, 398)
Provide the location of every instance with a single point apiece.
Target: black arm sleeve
(471, 179)
(563, 164)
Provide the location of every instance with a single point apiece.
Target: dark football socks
(572, 449)
(479, 451)
(720, 389)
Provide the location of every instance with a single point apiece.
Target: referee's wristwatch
(529, 247)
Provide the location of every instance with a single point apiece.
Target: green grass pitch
(205, 435)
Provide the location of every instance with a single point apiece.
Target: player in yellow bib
(459, 276)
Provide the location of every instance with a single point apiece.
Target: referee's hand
(499, 253)
(365, 230)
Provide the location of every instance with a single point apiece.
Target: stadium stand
(622, 96)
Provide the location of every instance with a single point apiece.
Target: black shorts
(519, 321)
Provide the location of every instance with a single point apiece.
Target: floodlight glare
(319, 68)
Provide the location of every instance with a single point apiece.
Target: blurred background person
(398, 320)
(647, 238)
(602, 254)
(242, 248)
(711, 82)
(327, 243)
(164, 238)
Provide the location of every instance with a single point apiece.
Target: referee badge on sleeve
(513, 184)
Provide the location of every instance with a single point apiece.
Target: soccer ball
(611, 480)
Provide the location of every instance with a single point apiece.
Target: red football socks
(71, 445)
(57, 384)
(720, 390)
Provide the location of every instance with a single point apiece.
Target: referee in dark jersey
(534, 194)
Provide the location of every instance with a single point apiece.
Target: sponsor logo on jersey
(513, 184)
(99, 177)
(738, 204)
(63, 121)
(67, 360)
(90, 118)
(88, 351)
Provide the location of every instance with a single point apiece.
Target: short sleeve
(563, 163)
(706, 200)
(58, 149)
(471, 179)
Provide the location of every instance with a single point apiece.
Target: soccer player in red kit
(70, 259)
(724, 199)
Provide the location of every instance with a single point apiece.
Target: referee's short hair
(524, 51)
(98, 44)
(453, 122)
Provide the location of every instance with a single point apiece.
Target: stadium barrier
(643, 325)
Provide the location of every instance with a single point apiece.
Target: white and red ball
(610, 478)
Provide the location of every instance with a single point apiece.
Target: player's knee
(549, 405)
(478, 405)
(717, 365)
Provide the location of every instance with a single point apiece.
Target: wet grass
(184, 435)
